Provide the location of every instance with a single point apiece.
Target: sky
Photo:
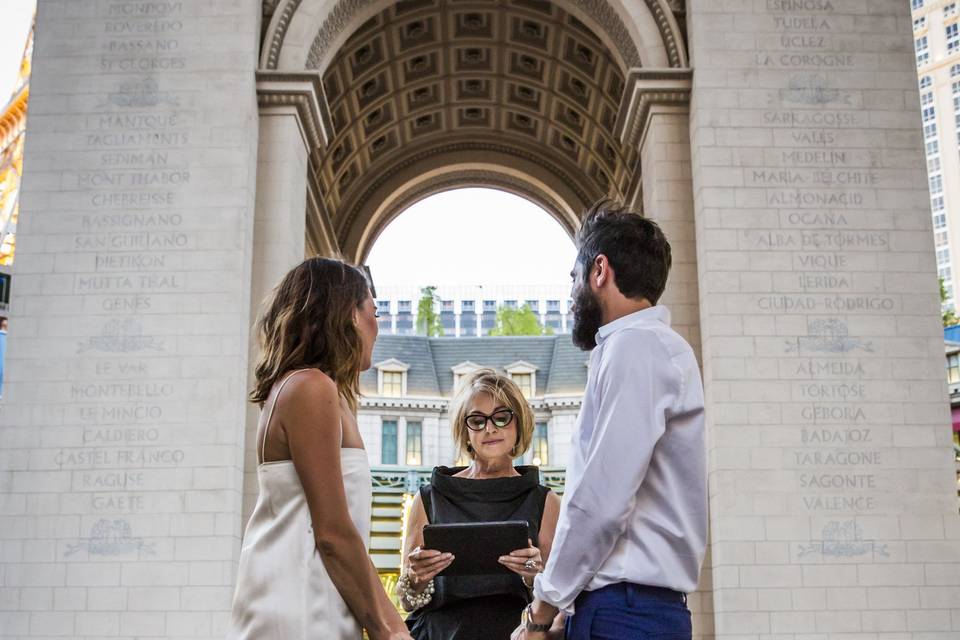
(15, 19)
(472, 237)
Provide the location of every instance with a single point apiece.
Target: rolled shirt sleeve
(632, 392)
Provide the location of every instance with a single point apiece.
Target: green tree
(949, 317)
(428, 320)
(519, 322)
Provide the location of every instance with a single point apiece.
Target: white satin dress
(283, 590)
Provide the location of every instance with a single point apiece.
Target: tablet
(476, 546)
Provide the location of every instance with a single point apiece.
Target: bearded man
(632, 530)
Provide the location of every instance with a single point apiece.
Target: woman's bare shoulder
(306, 390)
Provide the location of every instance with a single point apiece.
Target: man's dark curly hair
(635, 246)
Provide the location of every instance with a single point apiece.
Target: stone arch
(520, 87)
(445, 172)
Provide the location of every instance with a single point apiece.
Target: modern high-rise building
(936, 29)
(472, 311)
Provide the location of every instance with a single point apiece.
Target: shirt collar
(650, 315)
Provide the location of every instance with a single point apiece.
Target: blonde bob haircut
(505, 393)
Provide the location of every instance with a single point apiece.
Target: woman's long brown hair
(307, 322)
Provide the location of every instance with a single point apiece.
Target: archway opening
(481, 251)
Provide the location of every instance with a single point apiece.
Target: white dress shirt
(635, 504)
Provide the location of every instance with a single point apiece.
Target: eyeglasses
(501, 419)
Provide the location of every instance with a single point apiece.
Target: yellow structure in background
(13, 124)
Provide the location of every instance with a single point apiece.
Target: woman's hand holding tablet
(477, 546)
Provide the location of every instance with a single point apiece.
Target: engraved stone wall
(834, 509)
(122, 425)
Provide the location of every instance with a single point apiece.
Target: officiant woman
(492, 426)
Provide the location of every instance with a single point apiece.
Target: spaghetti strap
(273, 405)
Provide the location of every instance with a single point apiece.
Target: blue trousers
(627, 611)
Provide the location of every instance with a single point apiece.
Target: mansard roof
(560, 365)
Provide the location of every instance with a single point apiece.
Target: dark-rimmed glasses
(500, 418)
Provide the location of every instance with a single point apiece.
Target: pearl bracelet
(418, 600)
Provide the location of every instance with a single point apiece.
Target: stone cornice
(562, 402)
(644, 89)
(302, 92)
(380, 402)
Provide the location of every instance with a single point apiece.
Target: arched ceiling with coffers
(519, 79)
(421, 96)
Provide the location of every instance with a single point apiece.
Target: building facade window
(953, 368)
(943, 256)
(414, 443)
(953, 37)
(940, 221)
(540, 445)
(392, 384)
(920, 23)
(950, 10)
(936, 184)
(922, 45)
(916, 4)
(525, 382)
(926, 82)
(388, 442)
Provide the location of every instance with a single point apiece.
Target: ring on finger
(531, 564)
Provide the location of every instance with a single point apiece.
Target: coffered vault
(401, 100)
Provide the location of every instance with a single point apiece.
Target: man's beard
(587, 318)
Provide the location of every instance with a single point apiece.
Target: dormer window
(461, 370)
(392, 378)
(392, 384)
(525, 375)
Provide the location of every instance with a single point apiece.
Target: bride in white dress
(304, 569)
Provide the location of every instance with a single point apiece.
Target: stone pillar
(658, 113)
(833, 496)
(120, 469)
(291, 130)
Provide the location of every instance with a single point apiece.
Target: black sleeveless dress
(478, 607)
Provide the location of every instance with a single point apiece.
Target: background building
(13, 125)
(472, 311)
(937, 42)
